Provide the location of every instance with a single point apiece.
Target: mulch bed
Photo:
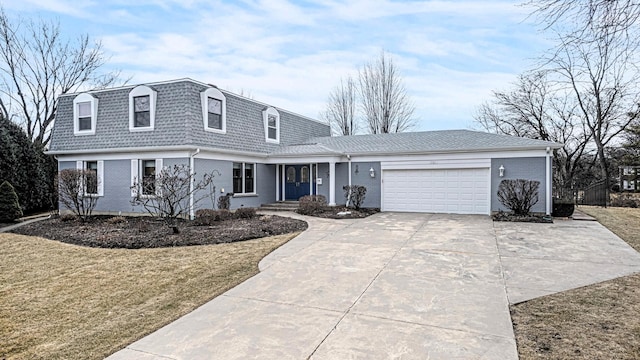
(332, 213)
(509, 217)
(147, 232)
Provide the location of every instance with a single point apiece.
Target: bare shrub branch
(173, 192)
(518, 195)
(74, 191)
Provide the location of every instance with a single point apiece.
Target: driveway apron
(391, 286)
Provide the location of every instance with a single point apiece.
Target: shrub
(624, 200)
(72, 186)
(354, 195)
(206, 217)
(224, 201)
(563, 208)
(117, 220)
(311, 204)
(68, 217)
(518, 195)
(245, 213)
(9, 205)
(176, 190)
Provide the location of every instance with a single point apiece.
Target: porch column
(277, 183)
(549, 189)
(332, 183)
(283, 178)
(310, 179)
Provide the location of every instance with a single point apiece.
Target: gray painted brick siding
(179, 122)
(519, 168)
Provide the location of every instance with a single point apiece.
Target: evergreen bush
(9, 205)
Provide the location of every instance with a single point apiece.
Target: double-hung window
(141, 111)
(142, 108)
(93, 181)
(214, 112)
(244, 178)
(144, 174)
(271, 118)
(85, 109)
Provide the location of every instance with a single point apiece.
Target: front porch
(295, 180)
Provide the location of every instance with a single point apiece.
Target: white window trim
(218, 95)
(265, 116)
(82, 165)
(136, 173)
(94, 114)
(142, 90)
(255, 177)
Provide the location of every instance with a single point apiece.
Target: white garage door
(453, 191)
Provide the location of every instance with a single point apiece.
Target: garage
(452, 191)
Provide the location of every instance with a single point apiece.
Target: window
(84, 116)
(271, 124)
(214, 113)
(148, 177)
(143, 176)
(214, 117)
(85, 108)
(142, 108)
(141, 111)
(243, 178)
(91, 187)
(95, 187)
(304, 174)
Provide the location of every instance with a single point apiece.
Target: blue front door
(297, 181)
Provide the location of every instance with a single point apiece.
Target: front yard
(594, 322)
(62, 301)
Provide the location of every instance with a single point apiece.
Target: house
(629, 178)
(266, 154)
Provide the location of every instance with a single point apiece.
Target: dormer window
(214, 115)
(141, 111)
(142, 108)
(214, 112)
(85, 110)
(271, 125)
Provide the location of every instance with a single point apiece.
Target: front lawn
(594, 322)
(62, 301)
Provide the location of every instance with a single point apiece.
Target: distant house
(267, 154)
(630, 178)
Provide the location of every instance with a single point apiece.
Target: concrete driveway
(393, 286)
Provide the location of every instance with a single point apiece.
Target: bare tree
(37, 65)
(602, 75)
(540, 109)
(384, 100)
(340, 111)
(169, 195)
(620, 15)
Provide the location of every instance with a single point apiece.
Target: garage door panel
(460, 191)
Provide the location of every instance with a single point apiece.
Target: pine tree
(9, 205)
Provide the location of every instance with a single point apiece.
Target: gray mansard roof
(178, 122)
(413, 143)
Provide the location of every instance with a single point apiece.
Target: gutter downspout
(192, 164)
(349, 195)
(549, 180)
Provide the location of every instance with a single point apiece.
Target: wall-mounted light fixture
(357, 171)
(372, 172)
(501, 168)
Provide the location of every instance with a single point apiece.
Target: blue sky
(451, 54)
